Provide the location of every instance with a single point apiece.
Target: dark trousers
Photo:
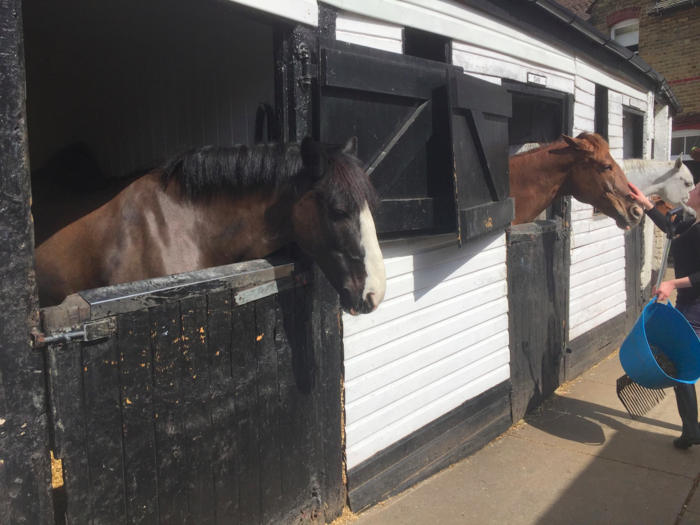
(686, 396)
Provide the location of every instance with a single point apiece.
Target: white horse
(671, 181)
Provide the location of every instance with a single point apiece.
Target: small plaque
(636, 103)
(539, 80)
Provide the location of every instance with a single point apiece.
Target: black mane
(203, 173)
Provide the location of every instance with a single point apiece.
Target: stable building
(481, 321)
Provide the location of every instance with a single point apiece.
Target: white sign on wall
(540, 80)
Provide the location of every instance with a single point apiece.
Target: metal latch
(88, 332)
(308, 70)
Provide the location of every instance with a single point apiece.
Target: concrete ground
(579, 459)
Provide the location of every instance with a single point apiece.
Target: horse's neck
(644, 173)
(230, 229)
(537, 179)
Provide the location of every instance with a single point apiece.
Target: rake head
(636, 399)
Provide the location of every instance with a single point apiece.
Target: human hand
(665, 289)
(637, 195)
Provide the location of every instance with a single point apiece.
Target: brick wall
(669, 43)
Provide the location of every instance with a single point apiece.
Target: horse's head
(595, 178)
(677, 186)
(332, 222)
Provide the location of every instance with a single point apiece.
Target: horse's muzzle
(636, 213)
(354, 304)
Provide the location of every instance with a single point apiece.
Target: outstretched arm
(654, 214)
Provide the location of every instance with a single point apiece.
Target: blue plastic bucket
(663, 328)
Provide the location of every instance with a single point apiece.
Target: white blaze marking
(374, 262)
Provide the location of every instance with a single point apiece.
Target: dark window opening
(632, 134)
(534, 121)
(430, 46)
(540, 116)
(601, 111)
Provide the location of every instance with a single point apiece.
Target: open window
(114, 88)
(540, 116)
(626, 33)
(632, 133)
(601, 111)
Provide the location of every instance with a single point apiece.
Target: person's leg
(686, 396)
(687, 401)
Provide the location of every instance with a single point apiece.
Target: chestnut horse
(219, 205)
(581, 167)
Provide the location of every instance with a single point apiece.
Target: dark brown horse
(213, 206)
(581, 167)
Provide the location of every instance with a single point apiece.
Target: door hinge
(87, 332)
(309, 71)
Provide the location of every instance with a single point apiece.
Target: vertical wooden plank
(328, 353)
(243, 367)
(169, 420)
(70, 435)
(104, 431)
(25, 470)
(198, 432)
(138, 433)
(268, 407)
(298, 422)
(223, 409)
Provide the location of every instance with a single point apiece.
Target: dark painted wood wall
(25, 474)
(538, 283)
(201, 410)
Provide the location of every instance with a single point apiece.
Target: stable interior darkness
(139, 80)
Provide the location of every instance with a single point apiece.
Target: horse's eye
(338, 214)
(607, 167)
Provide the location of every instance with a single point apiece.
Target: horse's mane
(645, 165)
(206, 172)
(542, 146)
(593, 138)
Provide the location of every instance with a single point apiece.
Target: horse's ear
(578, 143)
(312, 154)
(350, 147)
(679, 164)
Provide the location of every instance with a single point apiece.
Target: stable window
(540, 116)
(432, 139)
(601, 111)
(423, 44)
(626, 33)
(632, 133)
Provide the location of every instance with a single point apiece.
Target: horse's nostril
(636, 212)
(370, 301)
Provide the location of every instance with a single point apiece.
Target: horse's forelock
(599, 143)
(349, 184)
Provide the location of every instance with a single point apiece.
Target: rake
(636, 399)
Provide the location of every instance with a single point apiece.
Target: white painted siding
(462, 23)
(364, 31)
(439, 339)
(479, 61)
(584, 106)
(597, 283)
(472, 27)
(304, 11)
